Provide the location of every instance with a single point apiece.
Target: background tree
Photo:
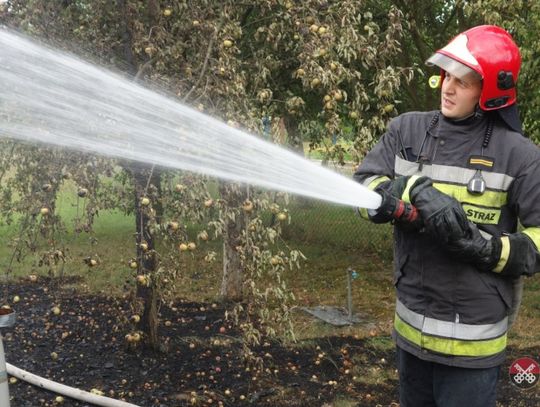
(431, 24)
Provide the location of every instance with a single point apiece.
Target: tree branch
(206, 59)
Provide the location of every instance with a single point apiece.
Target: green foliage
(522, 20)
(429, 25)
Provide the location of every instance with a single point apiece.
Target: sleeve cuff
(505, 254)
(372, 183)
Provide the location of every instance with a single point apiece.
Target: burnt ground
(85, 347)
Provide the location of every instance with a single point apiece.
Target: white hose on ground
(65, 390)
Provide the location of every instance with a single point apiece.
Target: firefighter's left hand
(522, 256)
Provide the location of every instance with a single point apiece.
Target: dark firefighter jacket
(448, 311)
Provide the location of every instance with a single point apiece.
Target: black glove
(522, 255)
(443, 216)
(476, 249)
(392, 208)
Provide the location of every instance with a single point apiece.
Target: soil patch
(84, 346)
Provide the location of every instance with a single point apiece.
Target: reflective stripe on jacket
(447, 311)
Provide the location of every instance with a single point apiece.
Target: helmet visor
(452, 66)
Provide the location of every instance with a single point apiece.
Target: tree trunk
(143, 178)
(233, 273)
(146, 260)
(295, 138)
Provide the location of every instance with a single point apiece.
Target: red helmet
(492, 53)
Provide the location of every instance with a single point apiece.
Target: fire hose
(59, 388)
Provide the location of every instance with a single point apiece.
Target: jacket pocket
(506, 291)
(500, 285)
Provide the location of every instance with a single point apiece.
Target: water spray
(48, 96)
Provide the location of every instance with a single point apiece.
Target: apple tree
(316, 69)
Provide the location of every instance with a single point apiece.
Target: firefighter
(472, 176)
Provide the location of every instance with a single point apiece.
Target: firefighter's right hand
(443, 216)
(393, 208)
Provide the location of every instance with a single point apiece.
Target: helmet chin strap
(477, 113)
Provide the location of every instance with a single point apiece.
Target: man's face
(459, 96)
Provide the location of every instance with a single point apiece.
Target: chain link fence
(318, 222)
